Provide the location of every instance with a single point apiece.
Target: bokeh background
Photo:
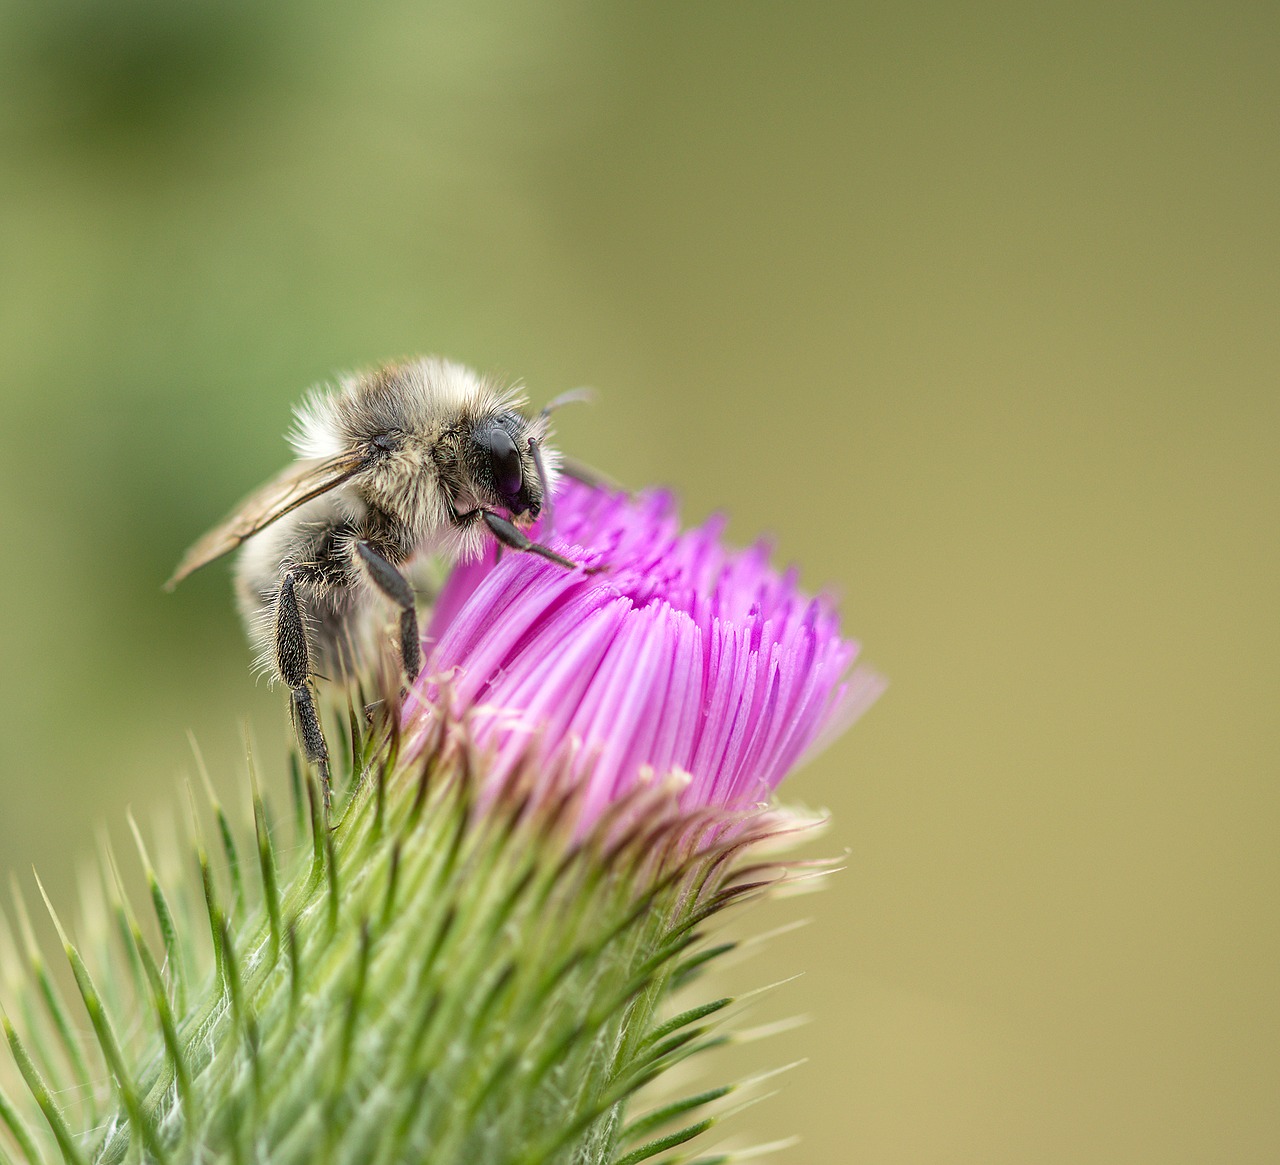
(976, 307)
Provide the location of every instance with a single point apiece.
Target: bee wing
(287, 491)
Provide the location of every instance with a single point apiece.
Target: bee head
(506, 463)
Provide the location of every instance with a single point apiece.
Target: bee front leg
(509, 534)
(396, 587)
(293, 661)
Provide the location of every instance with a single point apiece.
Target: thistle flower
(476, 961)
(680, 656)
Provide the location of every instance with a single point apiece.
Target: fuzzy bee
(420, 457)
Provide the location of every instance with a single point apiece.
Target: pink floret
(683, 656)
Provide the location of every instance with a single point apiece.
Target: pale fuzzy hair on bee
(420, 457)
(420, 395)
(421, 417)
(425, 399)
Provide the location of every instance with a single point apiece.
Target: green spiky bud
(444, 973)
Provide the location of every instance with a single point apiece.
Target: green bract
(449, 973)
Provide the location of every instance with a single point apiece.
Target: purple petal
(681, 656)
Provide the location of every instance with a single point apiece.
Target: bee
(413, 458)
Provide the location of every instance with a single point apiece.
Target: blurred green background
(977, 307)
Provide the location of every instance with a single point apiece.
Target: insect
(412, 458)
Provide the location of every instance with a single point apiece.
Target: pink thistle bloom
(681, 657)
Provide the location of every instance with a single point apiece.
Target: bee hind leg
(293, 661)
(396, 587)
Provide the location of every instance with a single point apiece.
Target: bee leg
(508, 534)
(548, 502)
(293, 661)
(394, 585)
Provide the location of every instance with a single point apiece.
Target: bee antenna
(572, 397)
(548, 505)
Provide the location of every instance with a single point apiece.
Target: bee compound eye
(504, 460)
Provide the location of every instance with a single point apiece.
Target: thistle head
(446, 972)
